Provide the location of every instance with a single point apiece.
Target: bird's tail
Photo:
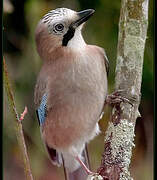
(80, 173)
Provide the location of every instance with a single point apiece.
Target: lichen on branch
(119, 139)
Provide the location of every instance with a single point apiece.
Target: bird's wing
(41, 111)
(106, 61)
(104, 56)
(55, 157)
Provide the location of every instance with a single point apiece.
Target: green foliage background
(19, 21)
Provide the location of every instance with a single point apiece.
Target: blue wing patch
(41, 111)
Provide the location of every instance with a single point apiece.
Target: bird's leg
(115, 98)
(84, 166)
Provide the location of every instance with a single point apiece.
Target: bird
(71, 88)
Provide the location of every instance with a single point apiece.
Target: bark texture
(119, 139)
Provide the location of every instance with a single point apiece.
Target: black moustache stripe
(69, 35)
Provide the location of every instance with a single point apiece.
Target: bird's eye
(59, 27)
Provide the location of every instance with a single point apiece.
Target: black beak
(83, 16)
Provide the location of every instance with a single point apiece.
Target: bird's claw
(115, 99)
(94, 176)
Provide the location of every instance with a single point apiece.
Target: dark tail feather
(54, 156)
(86, 156)
(65, 170)
(80, 173)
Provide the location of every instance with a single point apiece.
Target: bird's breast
(76, 96)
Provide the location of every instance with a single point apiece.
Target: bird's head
(61, 28)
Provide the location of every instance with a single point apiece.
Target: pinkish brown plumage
(74, 79)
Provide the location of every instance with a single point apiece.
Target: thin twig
(18, 124)
(23, 114)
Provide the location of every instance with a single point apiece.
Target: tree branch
(18, 124)
(120, 133)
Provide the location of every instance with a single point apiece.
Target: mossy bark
(119, 139)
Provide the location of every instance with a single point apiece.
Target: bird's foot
(115, 99)
(84, 166)
(95, 176)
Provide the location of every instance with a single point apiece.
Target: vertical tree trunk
(120, 132)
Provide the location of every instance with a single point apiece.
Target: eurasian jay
(71, 87)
